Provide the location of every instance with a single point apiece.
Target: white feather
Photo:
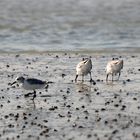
(84, 67)
(114, 67)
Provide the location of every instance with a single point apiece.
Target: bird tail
(49, 82)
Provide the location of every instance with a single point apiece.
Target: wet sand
(69, 110)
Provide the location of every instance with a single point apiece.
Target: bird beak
(13, 83)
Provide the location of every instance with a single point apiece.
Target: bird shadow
(31, 103)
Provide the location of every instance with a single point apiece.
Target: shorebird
(83, 68)
(30, 84)
(113, 67)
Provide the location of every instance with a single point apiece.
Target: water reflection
(111, 83)
(82, 87)
(31, 104)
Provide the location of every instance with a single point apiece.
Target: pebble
(103, 109)
(135, 98)
(63, 75)
(89, 136)
(116, 105)
(7, 66)
(18, 106)
(82, 106)
(115, 131)
(128, 80)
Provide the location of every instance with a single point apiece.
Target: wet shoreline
(97, 51)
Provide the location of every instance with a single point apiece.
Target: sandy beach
(69, 110)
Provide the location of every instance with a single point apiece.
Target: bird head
(18, 80)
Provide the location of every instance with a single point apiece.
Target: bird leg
(90, 77)
(107, 77)
(76, 77)
(112, 76)
(119, 75)
(34, 96)
(82, 78)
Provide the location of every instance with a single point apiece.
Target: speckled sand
(69, 110)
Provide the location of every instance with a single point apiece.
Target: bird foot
(46, 87)
(92, 81)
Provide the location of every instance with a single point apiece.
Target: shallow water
(43, 25)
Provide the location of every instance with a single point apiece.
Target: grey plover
(113, 67)
(83, 68)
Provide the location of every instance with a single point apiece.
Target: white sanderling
(113, 67)
(30, 84)
(83, 68)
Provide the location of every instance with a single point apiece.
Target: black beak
(13, 83)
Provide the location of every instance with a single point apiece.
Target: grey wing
(35, 81)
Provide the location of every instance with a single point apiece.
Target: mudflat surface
(69, 110)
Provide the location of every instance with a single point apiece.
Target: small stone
(106, 122)
(83, 106)
(68, 106)
(89, 136)
(18, 136)
(80, 127)
(55, 130)
(116, 105)
(8, 101)
(128, 80)
(96, 111)
(18, 106)
(45, 121)
(115, 131)
(135, 98)
(63, 75)
(6, 116)
(98, 93)
(98, 80)
(61, 116)
(103, 109)
(7, 66)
